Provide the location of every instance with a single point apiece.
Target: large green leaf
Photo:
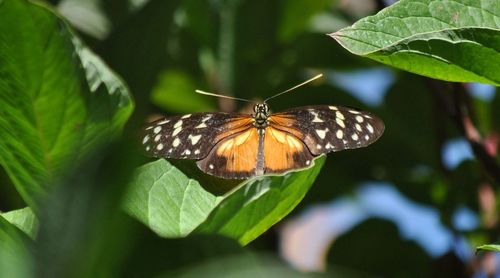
(24, 219)
(58, 99)
(15, 259)
(173, 205)
(260, 203)
(454, 40)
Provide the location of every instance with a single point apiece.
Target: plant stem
(226, 79)
(456, 102)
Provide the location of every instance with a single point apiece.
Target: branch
(456, 102)
(488, 160)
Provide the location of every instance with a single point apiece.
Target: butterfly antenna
(222, 96)
(295, 87)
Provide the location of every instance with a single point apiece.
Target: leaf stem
(457, 105)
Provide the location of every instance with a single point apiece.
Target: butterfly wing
(326, 129)
(284, 151)
(192, 136)
(234, 157)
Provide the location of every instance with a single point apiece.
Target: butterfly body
(233, 145)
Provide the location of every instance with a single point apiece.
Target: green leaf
(173, 205)
(58, 99)
(260, 203)
(15, 259)
(240, 265)
(488, 247)
(166, 200)
(24, 219)
(454, 40)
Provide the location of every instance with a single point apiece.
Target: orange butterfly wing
(235, 156)
(284, 151)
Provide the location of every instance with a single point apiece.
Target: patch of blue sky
(455, 151)
(416, 222)
(481, 91)
(464, 219)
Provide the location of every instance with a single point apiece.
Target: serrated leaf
(24, 219)
(174, 205)
(489, 247)
(454, 40)
(58, 99)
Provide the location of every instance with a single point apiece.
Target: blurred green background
(414, 204)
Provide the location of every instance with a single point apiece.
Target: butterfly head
(261, 111)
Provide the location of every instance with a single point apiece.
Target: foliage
(450, 40)
(173, 205)
(489, 247)
(80, 200)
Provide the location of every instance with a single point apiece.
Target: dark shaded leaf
(58, 99)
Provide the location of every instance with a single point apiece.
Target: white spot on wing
(358, 128)
(354, 137)
(157, 129)
(318, 146)
(176, 142)
(157, 137)
(196, 151)
(187, 152)
(194, 139)
(159, 147)
(322, 133)
(369, 127)
(202, 125)
(340, 134)
(316, 118)
(308, 162)
(329, 146)
(333, 108)
(359, 119)
(145, 140)
(178, 124)
(163, 122)
(186, 116)
(339, 115)
(176, 131)
(148, 148)
(340, 122)
(367, 137)
(211, 166)
(354, 112)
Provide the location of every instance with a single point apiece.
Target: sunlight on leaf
(488, 247)
(24, 219)
(58, 99)
(173, 205)
(449, 40)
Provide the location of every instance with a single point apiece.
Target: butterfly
(240, 146)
